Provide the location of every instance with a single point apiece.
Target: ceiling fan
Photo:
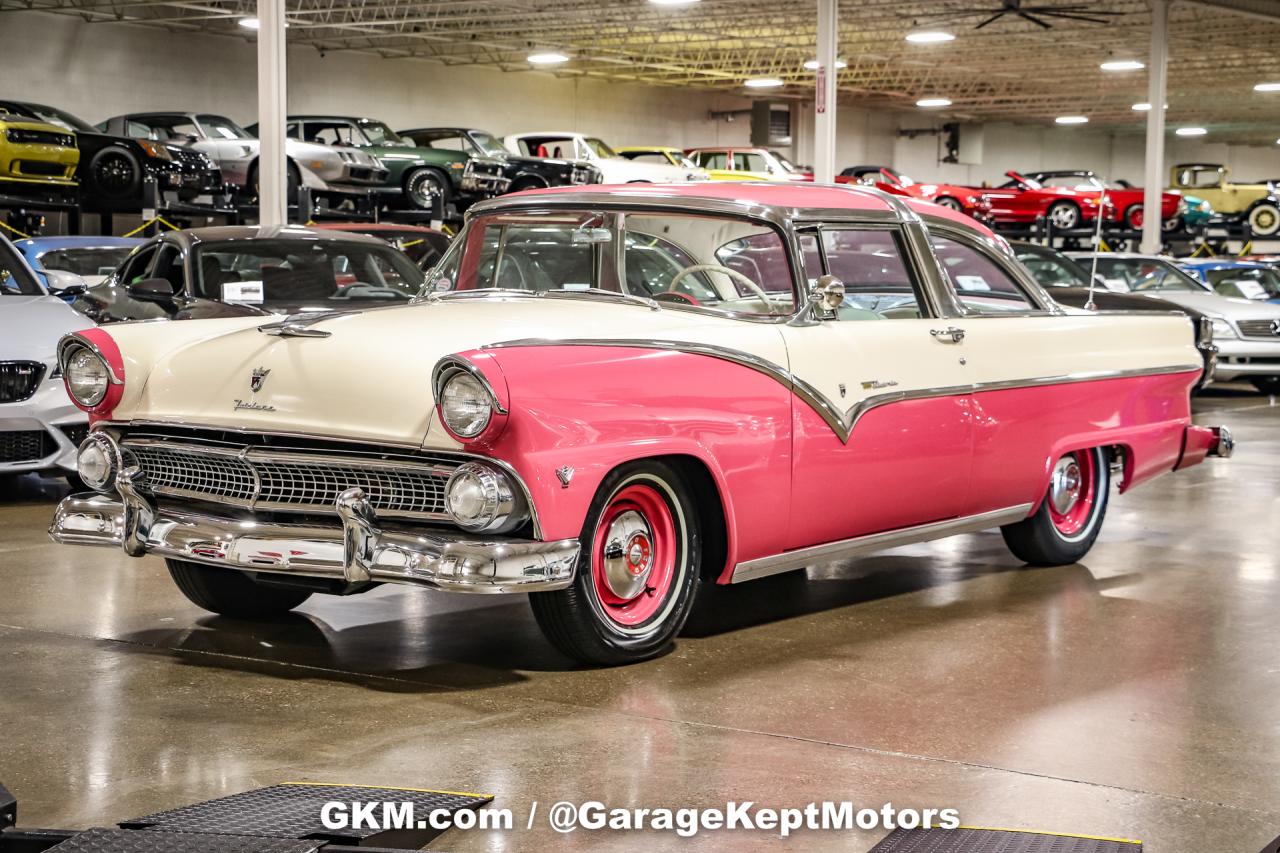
(1037, 14)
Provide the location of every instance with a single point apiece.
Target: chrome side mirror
(827, 296)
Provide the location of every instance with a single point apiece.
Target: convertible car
(1125, 201)
(967, 201)
(610, 397)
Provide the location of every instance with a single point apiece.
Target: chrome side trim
(800, 558)
(842, 421)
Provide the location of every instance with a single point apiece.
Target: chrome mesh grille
(286, 480)
(1259, 328)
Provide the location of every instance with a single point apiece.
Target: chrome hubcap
(628, 555)
(1064, 217)
(1065, 485)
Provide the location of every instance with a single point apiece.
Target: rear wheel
(1065, 526)
(637, 574)
(422, 186)
(232, 593)
(1063, 215)
(1133, 217)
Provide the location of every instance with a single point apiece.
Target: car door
(876, 446)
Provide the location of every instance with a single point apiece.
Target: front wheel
(1065, 526)
(1264, 220)
(422, 186)
(637, 574)
(950, 203)
(230, 592)
(1063, 215)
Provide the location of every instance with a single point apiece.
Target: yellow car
(32, 152)
(664, 156)
(746, 164)
(1255, 203)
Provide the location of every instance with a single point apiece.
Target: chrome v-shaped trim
(841, 420)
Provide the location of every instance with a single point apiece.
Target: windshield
(381, 134)
(218, 127)
(58, 117)
(1051, 269)
(1144, 274)
(324, 272)
(88, 261)
(786, 164)
(599, 147)
(1246, 283)
(488, 143)
(680, 260)
(15, 278)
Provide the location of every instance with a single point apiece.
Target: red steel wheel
(1065, 526)
(1072, 489)
(633, 555)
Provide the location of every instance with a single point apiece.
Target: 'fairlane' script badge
(258, 378)
(877, 383)
(251, 405)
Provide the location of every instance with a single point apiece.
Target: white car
(614, 169)
(40, 428)
(321, 167)
(1246, 332)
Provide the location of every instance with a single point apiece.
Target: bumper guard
(359, 551)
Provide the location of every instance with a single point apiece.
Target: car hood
(370, 379)
(1224, 306)
(30, 326)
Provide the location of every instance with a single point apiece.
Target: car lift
(279, 819)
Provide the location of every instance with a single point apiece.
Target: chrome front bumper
(357, 551)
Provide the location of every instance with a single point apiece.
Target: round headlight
(87, 377)
(481, 498)
(96, 463)
(465, 405)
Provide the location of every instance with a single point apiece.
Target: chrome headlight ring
(464, 398)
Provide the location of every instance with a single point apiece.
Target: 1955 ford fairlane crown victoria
(610, 397)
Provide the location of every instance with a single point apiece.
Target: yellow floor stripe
(388, 788)
(1054, 834)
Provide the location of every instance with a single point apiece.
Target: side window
(877, 283)
(750, 162)
(449, 143)
(135, 268)
(293, 131)
(980, 284)
(713, 160)
(168, 266)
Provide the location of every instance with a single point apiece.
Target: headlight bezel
(105, 350)
(456, 369)
(88, 359)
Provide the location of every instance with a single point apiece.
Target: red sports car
(1022, 200)
(1125, 201)
(963, 199)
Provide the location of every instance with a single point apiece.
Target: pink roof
(779, 194)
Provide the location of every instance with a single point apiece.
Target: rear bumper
(1202, 441)
(357, 550)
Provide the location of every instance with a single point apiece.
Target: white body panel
(613, 170)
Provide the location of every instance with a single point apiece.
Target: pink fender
(592, 408)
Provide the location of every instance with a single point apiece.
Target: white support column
(824, 102)
(273, 181)
(1157, 73)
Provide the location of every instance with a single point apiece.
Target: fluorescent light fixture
(551, 57)
(1267, 87)
(929, 37)
(1072, 120)
(1122, 65)
(673, 2)
(933, 102)
(1142, 107)
(812, 64)
(762, 83)
(1191, 131)
(250, 23)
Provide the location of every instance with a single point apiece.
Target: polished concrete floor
(1134, 695)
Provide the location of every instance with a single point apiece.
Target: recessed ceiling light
(1072, 119)
(812, 64)
(762, 83)
(929, 37)
(1267, 87)
(1191, 131)
(933, 102)
(551, 57)
(1122, 65)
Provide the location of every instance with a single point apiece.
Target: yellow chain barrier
(15, 231)
(1246, 249)
(144, 226)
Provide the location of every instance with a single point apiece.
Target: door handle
(950, 333)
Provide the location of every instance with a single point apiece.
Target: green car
(1198, 211)
(420, 174)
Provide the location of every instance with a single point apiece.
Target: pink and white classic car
(609, 397)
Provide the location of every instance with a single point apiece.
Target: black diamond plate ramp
(976, 840)
(132, 841)
(293, 811)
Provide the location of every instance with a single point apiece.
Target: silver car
(1246, 332)
(40, 429)
(235, 150)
